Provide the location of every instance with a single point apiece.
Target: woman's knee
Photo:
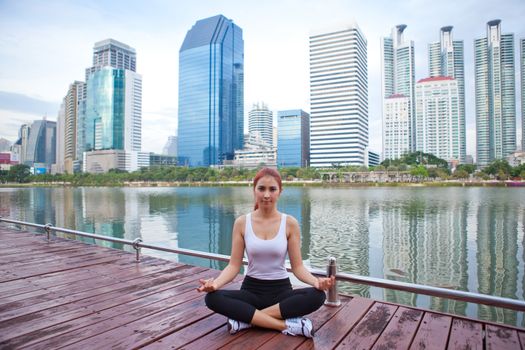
(211, 300)
(318, 297)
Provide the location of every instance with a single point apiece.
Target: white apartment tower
(446, 59)
(396, 126)
(522, 54)
(260, 121)
(338, 97)
(438, 121)
(398, 78)
(495, 95)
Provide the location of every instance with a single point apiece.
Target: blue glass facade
(104, 113)
(41, 144)
(293, 138)
(211, 90)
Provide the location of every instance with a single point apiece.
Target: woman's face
(266, 192)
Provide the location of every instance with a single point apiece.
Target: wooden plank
(49, 332)
(501, 338)
(121, 287)
(61, 267)
(400, 330)
(433, 332)
(63, 313)
(190, 333)
(52, 278)
(53, 285)
(521, 336)
(53, 260)
(366, 332)
(35, 251)
(20, 254)
(213, 340)
(466, 335)
(338, 326)
(133, 330)
(319, 318)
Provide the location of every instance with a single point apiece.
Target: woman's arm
(235, 263)
(296, 261)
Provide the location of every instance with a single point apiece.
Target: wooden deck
(66, 294)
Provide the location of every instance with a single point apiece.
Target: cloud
(15, 102)
(12, 120)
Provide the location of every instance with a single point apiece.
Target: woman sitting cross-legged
(266, 298)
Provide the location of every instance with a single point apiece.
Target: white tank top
(266, 257)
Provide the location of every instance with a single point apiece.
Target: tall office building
(170, 148)
(67, 128)
(438, 121)
(495, 95)
(113, 112)
(446, 59)
(260, 121)
(338, 97)
(211, 92)
(40, 150)
(396, 126)
(60, 144)
(20, 145)
(398, 78)
(293, 138)
(80, 125)
(112, 53)
(522, 54)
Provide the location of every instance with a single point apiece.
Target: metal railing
(333, 298)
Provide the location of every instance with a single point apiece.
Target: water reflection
(497, 257)
(468, 239)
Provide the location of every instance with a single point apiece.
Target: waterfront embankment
(304, 183)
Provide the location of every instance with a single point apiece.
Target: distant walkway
(67, 294)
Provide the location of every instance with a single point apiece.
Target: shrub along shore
(415, 169)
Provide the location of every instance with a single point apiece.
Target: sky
(46, 45)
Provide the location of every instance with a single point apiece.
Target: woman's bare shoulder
(239, 224)
(290, 220)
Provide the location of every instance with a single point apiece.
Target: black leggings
(256, 294)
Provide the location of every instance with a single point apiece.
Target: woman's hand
(207, 286)
(324, 283)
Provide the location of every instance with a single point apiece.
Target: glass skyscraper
(398, 78)
(113, 106)
(446, 59)
(338, 97)
(293, 138)
(495, 95)
(41, 144)
(211, 92)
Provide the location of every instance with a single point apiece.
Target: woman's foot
(234, 326)
(299, 326)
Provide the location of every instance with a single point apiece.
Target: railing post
(47, 228)
(136, 246)
(333, 296)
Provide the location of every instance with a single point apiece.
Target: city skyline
(38, 71)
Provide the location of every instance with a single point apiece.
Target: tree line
(419, 164)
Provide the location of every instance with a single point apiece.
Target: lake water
(462, 238)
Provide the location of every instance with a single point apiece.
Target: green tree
(460, 174)
(419, 171)
(19, 173)
(469, 168)
(499, 168)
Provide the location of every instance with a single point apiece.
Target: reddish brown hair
(267, 172)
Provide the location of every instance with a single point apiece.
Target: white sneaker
(234, 326)
(299, 326)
